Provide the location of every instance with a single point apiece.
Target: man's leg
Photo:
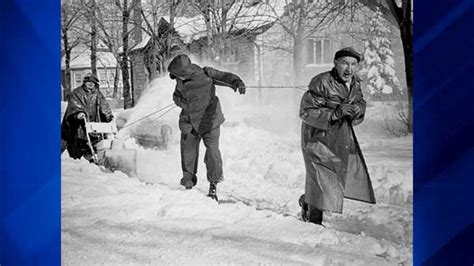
(213, 161)
(189, 157)
(309, 212)
(213, 158)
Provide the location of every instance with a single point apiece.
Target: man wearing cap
(86, 102)
(335, 167)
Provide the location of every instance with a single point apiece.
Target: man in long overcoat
(86, 102)
(201, 117)
(335, 167)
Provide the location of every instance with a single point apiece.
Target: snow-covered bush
(378, 60)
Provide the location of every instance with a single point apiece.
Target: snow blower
(110, 151)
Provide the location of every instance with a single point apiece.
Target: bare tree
(109, 32)
(126, 9)
(92, 7)
(162, 35)
(300, 20)
(69, 17)
(228, 20)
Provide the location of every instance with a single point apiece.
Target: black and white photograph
(236, 132)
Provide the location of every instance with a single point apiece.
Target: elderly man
(86, 102)
(335, 167)
(201, 117)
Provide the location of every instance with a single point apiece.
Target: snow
(113, 219)
(379, 58)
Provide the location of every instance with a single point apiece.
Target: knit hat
(91, 77)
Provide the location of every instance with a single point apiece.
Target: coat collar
(87, 91)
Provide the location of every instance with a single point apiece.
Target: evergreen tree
(378, 59)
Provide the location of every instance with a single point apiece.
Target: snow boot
(188, 183)
(213, 191)
(310, 213)
(304, 208)
(315, 215)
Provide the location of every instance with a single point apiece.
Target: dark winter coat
(195, 93)
(335, 167)
(94, 105)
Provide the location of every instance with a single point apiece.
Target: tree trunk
(127, 93)
(67, 53)
(67, 72)
(93, 38)
(298, 46)
(207, 20)
(169, 33)
(297, 60)
(406, 30)
(116, 81)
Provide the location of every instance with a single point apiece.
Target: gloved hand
(238, 85)
(344, 111)
(109, 118)
(357, 112)
(81, 116)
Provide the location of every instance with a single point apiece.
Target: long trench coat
(95, 106)
(335, 166)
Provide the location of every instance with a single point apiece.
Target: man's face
(346, 67)
(90, 85)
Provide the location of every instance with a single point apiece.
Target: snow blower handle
(89, 142)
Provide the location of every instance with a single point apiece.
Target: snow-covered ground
(113, 219)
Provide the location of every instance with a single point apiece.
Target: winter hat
(178, 64)
(348, 51)
(181, 67)
(91, 77)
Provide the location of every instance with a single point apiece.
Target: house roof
(141, 44)
(239, 17)
(81, 58)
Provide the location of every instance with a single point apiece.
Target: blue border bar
(30, 132)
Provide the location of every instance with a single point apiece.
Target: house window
(78, 79)
(111, 78)
(103, 78)
(319, 51)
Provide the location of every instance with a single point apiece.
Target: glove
(109, 118)
(238, 85)
(344, 111)
(81, 116)
(357, 112)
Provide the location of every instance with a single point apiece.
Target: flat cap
(348, 51)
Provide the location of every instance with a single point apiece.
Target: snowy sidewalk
(110, 218)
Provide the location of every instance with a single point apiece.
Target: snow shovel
(111, 152)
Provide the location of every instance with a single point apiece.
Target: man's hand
(357, 111)
(109, 118)
(344, 110)
(238, 85)
(81, 116)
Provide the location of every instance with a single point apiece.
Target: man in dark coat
(86, 102)
(201, 117)
(335, 167)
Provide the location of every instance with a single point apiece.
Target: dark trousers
(190, 152)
